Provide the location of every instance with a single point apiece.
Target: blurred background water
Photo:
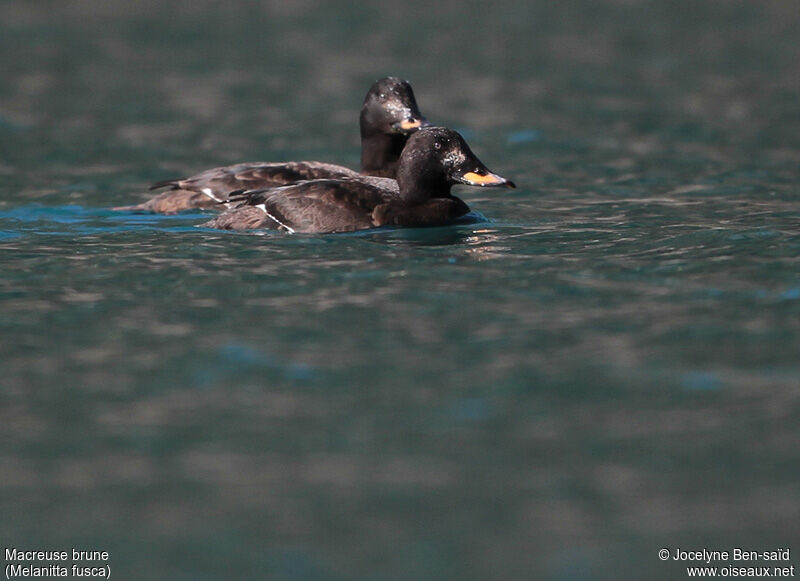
(607, 366)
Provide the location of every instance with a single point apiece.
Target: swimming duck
(433, 160)
(389, 115)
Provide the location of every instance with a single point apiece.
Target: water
(606, 365)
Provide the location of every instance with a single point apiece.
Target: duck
(389, 114)
(433, 160)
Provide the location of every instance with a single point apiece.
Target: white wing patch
(263, 208)
(210, 194)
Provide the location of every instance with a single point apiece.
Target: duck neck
(380, 152)
(417, 186)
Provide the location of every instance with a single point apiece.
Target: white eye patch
(453, 158)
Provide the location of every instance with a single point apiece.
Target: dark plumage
(434, 159)
(388, 116)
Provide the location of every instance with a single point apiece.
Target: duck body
(209, 189)
(388, 116)
(433, 160)
(328, 206)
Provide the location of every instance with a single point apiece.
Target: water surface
(605, 366)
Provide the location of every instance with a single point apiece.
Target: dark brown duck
(389, 115)
(434, 159)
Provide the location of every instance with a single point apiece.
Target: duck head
(435, 159)
(390, 108)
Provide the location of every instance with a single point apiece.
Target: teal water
(606, 362)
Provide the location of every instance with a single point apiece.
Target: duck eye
(437, 145)
(383, 96)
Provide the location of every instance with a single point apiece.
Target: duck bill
(484, 179)
(411, 124)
